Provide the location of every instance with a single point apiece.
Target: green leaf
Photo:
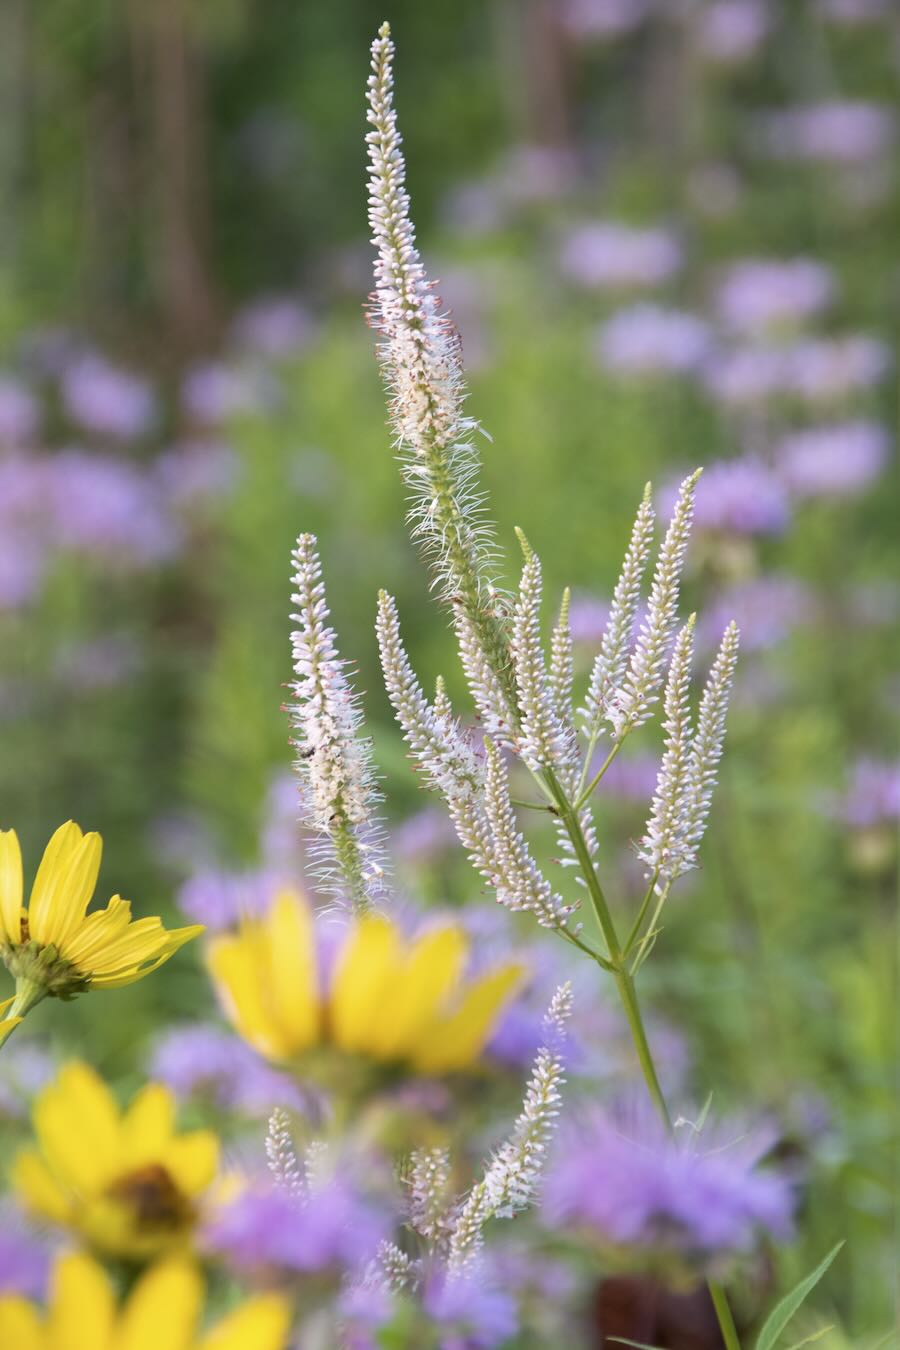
(816, 1336)
(782, 1313)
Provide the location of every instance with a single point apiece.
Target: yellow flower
(388, 1000)
(162, 1312)
(54, 947)
(124, 1181)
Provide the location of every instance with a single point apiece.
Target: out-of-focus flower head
(840, 131)
(767, 609)
(103, 507)
(739, 495)
(126, 1182)
(732, 31)
(872, 796)
(813, 370)
(368, 991)
(702, 1197)
(646, 339)
(54, 947)
(605, 18)
(759, 293)
(610, 254)
(853, 12)
(219, 900)
(424, 835)
(471, 1312)
(19, 413)
(24, 1069)
(24, 1258)
(163, 1308)
(201, 1060)
(327, 1226)
(274, 326)
(102, 663)
(837, 460)
(105, 400)
(215, 392)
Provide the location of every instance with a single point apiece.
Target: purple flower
(331, 1228)
(827, 369)
(425, 835)
(741, 495)
(275, 326)
(647, 339)
(215, 393)
(837, 460)
(471, 1312)
(840, 131)
(610, 254)
(25, 1068)
(873, 795)
(19, 413)
(853, 12)
(196, 472)
(732, 30)
(105, 400)
(765, 609)
(22, 567)
(746, 375)
(604, 18)
(630, 777)
(197, 1060)
(758, 293)
(702, 1197)
(24, 1259)
(221, 899)
(101, 664)
(100, 505)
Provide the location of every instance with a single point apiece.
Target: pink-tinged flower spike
(665, 847)
(709, 739)
(334, 759)
(420, 357)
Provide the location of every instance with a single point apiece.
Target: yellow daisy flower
(389, 999)
(162, 1311)
(124, 1181)
(54, 947)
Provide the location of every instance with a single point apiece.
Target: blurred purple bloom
(825, 369)
(873, 794)
(196, 472)
(22, 567)
(19, 412)
(24, 1069)
(588, 617)
(103, 399)
(741, 495)
(837, 460)
(101, 664)
(471, 1311)
(537, 173)
(766, 610)
(103, 506)
(646, 339)
(630, 777)
(851, 12)
(332, 1228)
(214, 393)
(757, 293)
(840, 131)
(221, 899)
(733, 30)
(425, 835)
(610, 254)
(275, 326)
(703, 1196)
(197, 1060)
(604, 18)
(746, 375)
(24, 1259)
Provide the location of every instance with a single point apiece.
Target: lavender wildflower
(334, 761)
(107, 401)
(610, 254)
(732, 31)
(835, 132)
(836, 460)
(759, 293)
(648, 340)
(741, 496)
(19, 413)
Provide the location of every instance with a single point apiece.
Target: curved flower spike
(54, 947)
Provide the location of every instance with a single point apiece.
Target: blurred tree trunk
(174, 88)
(540, 74)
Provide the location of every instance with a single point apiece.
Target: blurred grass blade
(816, 1336)
(640, 1345)
(782, 1313)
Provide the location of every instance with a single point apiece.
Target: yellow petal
(147, 1127)
(73, 892)
(292, 987)
(163, 1308)
(429, 973)
(10, 887)
(192, 1160)
(40, 1193)
(55, 864)
(367, 968)
(261, 1323)
(455, 1041)
(142, 948)
(76, 1120)
(9, 1024)
(82, 1305)
(20, 1326)
(240, 971)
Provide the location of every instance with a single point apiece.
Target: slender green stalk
(641, 914)
(585, 792)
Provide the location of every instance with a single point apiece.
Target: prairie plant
(526, 703)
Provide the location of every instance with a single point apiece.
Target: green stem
(585, 792)
(636, 926)
(583, 854)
